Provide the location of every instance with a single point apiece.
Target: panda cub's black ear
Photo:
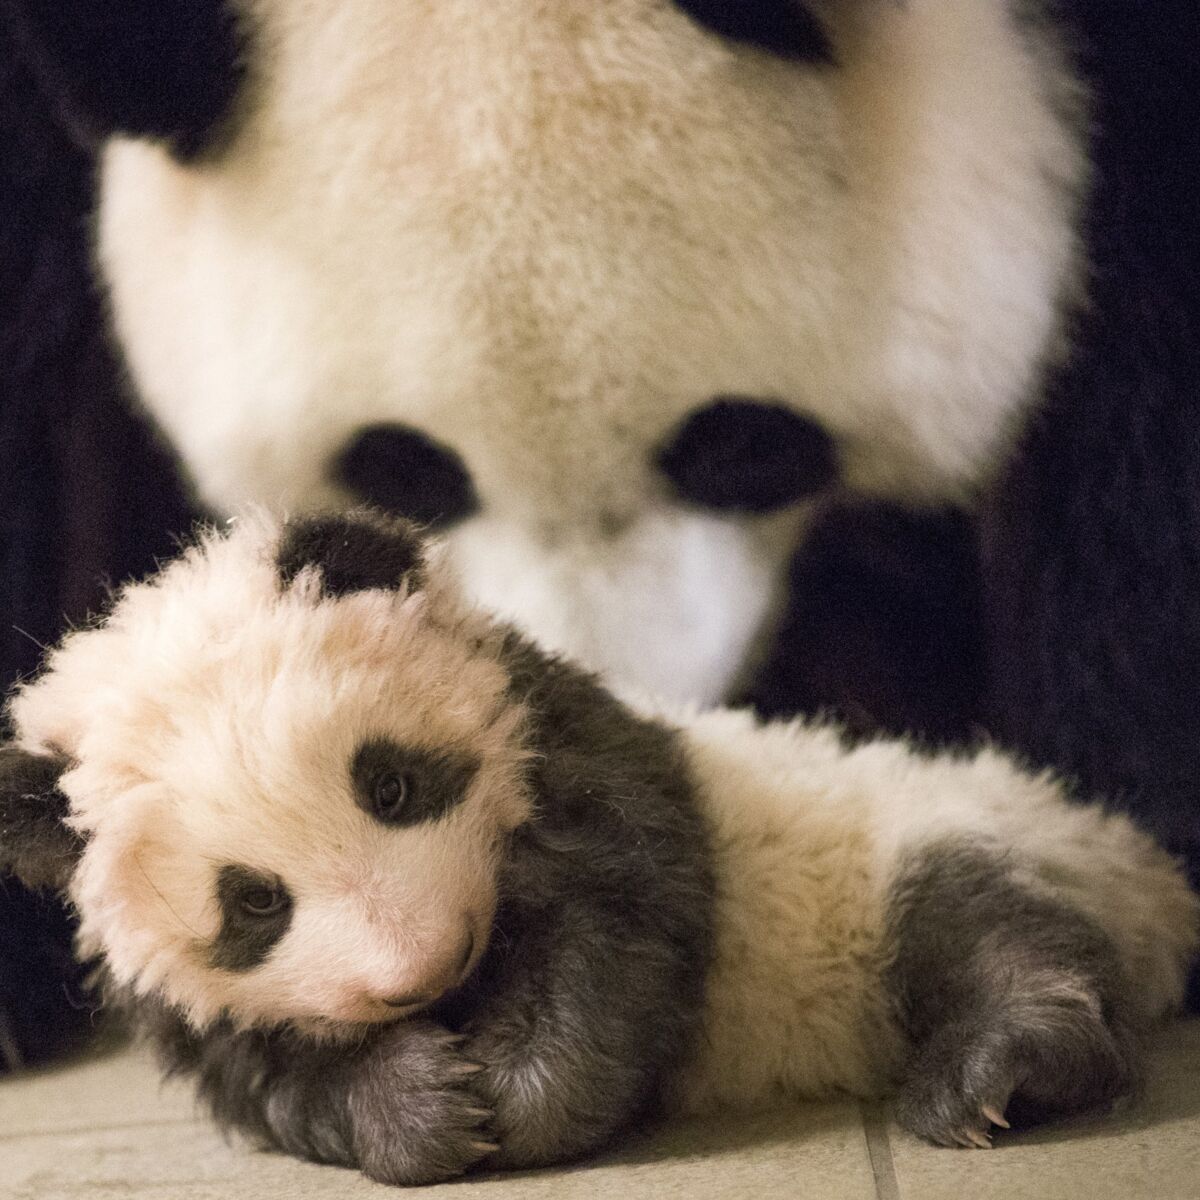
(164, 69)
(355, 552)
(35, 844)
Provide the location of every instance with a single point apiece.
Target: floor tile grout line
(83, 1130)
(879, 1151)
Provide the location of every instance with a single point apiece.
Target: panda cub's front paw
(415, 1117)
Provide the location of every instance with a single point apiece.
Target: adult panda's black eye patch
(256, 911)
(403, 471)
(744, 455)
(354, 552)
(402, 786)
(784, 27)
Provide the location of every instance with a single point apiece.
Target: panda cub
(404, 892)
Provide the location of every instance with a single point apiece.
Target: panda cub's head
(292, 763)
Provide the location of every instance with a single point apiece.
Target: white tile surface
(107, 1129)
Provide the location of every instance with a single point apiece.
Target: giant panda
(608, 291)
(629, 296)
(404, 891)
(631, 299)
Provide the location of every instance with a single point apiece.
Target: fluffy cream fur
(543, 233)
(809, 836)
(212, 719)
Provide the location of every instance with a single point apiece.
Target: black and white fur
(611, 291)
(403, 891)
(550, 276)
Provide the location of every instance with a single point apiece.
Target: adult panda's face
(501, 267)
(296, 768)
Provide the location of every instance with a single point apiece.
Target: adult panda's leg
(1011, 999)
(1091, 540)
(881, 627)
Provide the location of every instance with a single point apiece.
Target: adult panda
(623, 296)
(605, 289)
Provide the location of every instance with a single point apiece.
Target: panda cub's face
(296, 766)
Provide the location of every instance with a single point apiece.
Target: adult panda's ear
(164, 69)
(784, 27)
(36, 844)
(355, 552)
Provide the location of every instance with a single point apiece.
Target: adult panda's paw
(414, 1115)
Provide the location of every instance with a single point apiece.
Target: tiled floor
(107, 1129)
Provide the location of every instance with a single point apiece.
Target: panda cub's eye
(389, 794)
(256, 913)
(264, 901)
(402, 786)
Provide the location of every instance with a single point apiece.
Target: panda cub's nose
(444, 981)
(407, 1000)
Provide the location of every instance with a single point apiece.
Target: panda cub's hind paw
(1015, 1004)
(1030, 1066)
(956, 1091)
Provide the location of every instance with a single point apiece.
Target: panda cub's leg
(1013, 1001)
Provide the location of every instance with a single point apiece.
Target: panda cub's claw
(995, 1116)
(976, 1139)
(941, 1100)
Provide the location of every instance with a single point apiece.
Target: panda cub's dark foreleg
(1013, 1002)
(400, 1106)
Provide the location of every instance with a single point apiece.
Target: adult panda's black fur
(85, 495)
(1090, 540)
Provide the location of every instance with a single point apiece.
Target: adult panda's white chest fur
(542, 236)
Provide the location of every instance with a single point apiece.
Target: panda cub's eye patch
(404, 785)
(256, 911)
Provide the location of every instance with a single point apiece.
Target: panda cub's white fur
(808, 841)
(607, 907)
